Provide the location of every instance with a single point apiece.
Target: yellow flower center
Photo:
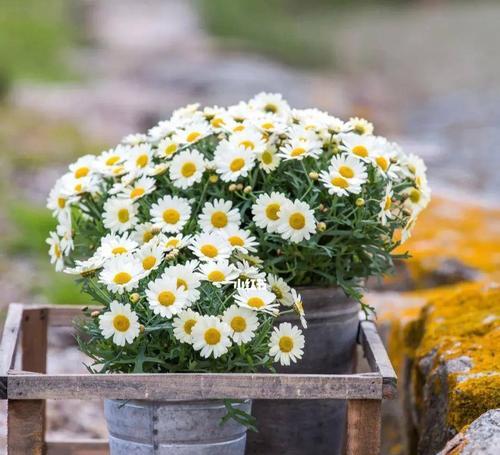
(340, 182)
(61, 202)
(237, 164)
(235, 240)
(81, 172)
(255, 302)
(247, 144)
(112, 160)
(297, 151)
(182, 282)
(142, 160)
(212, 336)
(170, 149)
(272, 211)
(297, 220)
(121, 323)
(415, 196)
(148, 262)
(238, 128)
(217, 122)
(188, 326)
(172, 243)
(171, 216)
(209, 250)
(78, 187)
(119, 250)
(267, 157)
(216, 276)
(137, 192)
(346, 171)
(267, 125)
(360, 150)
(191, 137)
(57, 251)
(188, 169)
(388, 203)
(277, 292)
(270, 107)
(286, 344)
(122, 278)
(219, 219)
(166, 298)
(238, 324)
(123, 215)
(147, 236)
(382, 163)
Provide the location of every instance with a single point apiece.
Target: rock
(481, 437)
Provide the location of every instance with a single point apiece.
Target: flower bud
(360, 202)
(239, 186)
(141, 328)
(247, 189)
(321, 226)
(135, 297)
(213, 178)
(95, 313)
(313, 175)
(232, 187)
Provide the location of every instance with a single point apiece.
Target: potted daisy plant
(196, 237)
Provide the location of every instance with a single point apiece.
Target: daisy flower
(345, 175)
(114, 244)
(140, 159)
(135, 139)
(186, 277)
(231, 162)
(302, 143)
(144, 232)
(167, 148)
(119, 214)
(211, 337)
(90, 265)
(121, 273)
(416, 199)
(240, 239)
(269, 160)
(360, 146)
(58, 200)
(171, 213)
(298, 307)
(286, 344)
(257, 300)
(269, 124)
(248, 272)
(163, 129)
(71, 186)
(174, 241)
(83, 166)
(360, 126)
(187, 168)
(142, 186)
(218, 272)
(55, 251)
(107, 160)
(119, 323)
(165, 298)
(272, 103)
(183, 325)
(192, 133)
(296, 221)
(65, 232)
(386, 205)
(150, 255)
(210, 246)
(219, 216)
(266, 210)
(248, 140)
(280, 289)
(243, 323)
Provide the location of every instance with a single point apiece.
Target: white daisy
(171, 213)
(186, 277)
(243, 323)
(232, 162)
(210, 246)
(211, 337)
(121, 273)
(163, 129)
(218, 216)
(269, 159)
(139, 188)
(360, 146)
(187, 168)
(183, 325)
(280, 289)
(359, 126)
(167, 148)
(286, 344)
(144, 232)
(298, 307)
(248, 140)
(107, 160)
(140, 159)
(249, 272)
(71, 186)
(266, 210)
(272, 103)
(55, 251)
(302, 143)
(175, 241)
(90, 265)
(119, 214)
(416, 199)
(65, 232)
(114, 244)
(135, 139)
(345, 175)
(257, 300)
(83, 167)
(150, 255)
(218, 272)
(269, 124)
(386, 205)
(240, 239)
(296, 221)
(192, 133)
(165, 298)
(58, 200)
(120, 322)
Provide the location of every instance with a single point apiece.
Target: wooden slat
(363, 427)
(63, 315)
(194, 386)
(78, 447)
(34, 340)
(10, 337)
(378, 359)
(24, 427)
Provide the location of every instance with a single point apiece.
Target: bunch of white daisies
(159, 223)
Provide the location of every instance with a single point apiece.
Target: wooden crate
(27, 390)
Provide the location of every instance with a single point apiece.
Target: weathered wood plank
(10, 337)
(34, 340)
(195, 386)
(78, 447)
(25, 423)
(378, 359)
(63, 315)
(363, 427)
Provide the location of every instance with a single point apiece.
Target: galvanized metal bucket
(138, 427)
(312, 426)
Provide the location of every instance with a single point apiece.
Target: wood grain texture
(25, 427)
(78, 447)
(10, 337)
(194, 386)
(363, 427)
(378, 359)
(34, 340)
(64, 315)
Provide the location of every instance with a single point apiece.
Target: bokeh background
(78, 75)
